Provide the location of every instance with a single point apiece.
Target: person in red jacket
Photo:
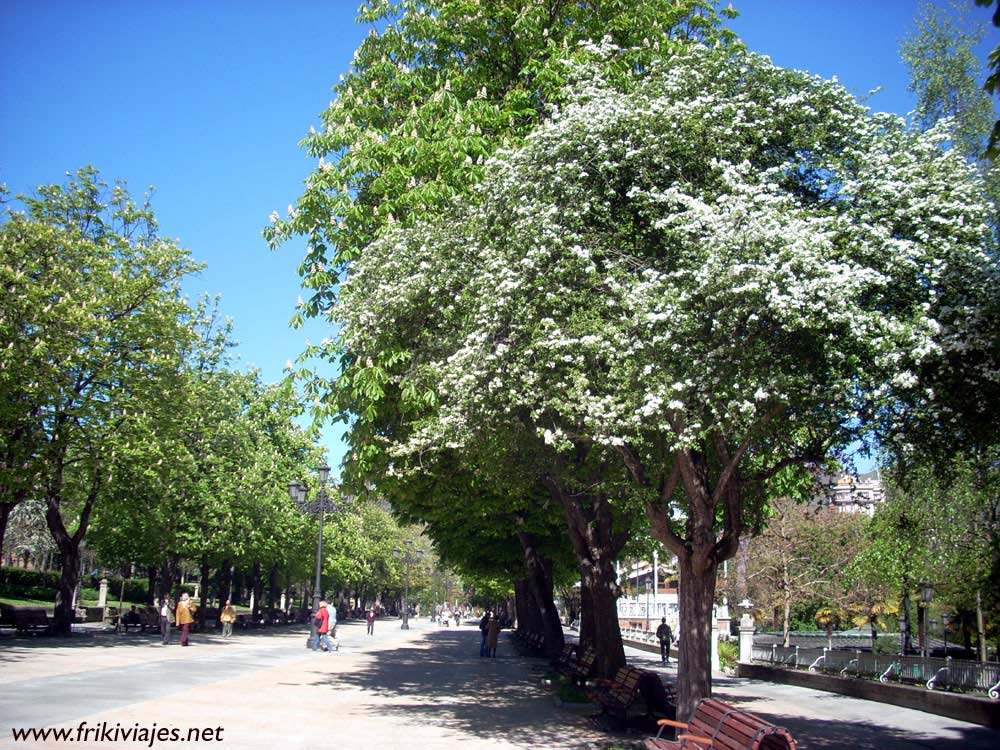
(322, 620)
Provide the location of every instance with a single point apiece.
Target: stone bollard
(102, 594)
(746, 638)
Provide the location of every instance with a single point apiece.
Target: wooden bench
(26, 619)
(567, 657)
(533, 642)
(719, 726)
(616, 696)
(580, 668)
(146, 617)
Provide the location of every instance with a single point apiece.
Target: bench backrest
(31, 616)
(627, 679)
(729, 728)
(584, 663)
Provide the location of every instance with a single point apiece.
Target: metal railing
(934, 673)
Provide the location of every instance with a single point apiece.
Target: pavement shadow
(444, 682)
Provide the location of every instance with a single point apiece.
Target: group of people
(325, 622)
(489, 626)
(182, 615)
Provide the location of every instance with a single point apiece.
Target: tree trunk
(69, 551)
(225, 584)
(540, 586)
(168, 573)
(590, 523)
(272, 587)
(586, 617)
(697, 597)
(257, 588)
(5, 511)
(152, 574)
(202, 610)
(786, 618)
(600, 581)
(526, 609)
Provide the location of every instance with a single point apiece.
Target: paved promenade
(423, 688)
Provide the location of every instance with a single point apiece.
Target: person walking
(484, 627)
(322, 620)
(185, 616)
(227, 618)
(665, 638)
(370, 620)
(331, 611)
(166, 619)
(493, 635)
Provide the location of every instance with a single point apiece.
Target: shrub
(887, 644)
(729, 654)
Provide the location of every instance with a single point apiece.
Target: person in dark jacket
(665, 637)
(484, 626)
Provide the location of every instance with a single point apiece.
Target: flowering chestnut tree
(680, 290)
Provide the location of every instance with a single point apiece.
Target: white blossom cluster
(726, 248)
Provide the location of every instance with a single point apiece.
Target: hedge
(19, 583)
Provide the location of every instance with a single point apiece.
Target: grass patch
(570, 693)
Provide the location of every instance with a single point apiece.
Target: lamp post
(645, 586)
(321, 504)
(945, 619)
(926, 594)
(407, 557)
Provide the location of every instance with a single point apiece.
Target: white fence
(934, 673)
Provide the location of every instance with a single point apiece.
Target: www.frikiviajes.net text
(105, 732)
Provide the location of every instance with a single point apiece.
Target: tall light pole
(407, 557)
(926, 593)
(945, 619)
(646, 587)
(321, 504)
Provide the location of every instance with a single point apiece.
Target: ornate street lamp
(407, 557)
(321, 504)
(926, 594)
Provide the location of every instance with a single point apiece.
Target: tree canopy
(720, 272)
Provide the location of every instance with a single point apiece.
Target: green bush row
(19, 583)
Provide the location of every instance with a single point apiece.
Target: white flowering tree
(696, 286)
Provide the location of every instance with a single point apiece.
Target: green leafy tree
(992, 84)
(894, 558)
(433, 92)
(680, 292)
(92, 318)
(957, 507)
(944, 74)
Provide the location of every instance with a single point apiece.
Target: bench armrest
(662, 723)
(695, 738)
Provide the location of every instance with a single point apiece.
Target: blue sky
(208, 100)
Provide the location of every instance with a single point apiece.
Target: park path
(423, 688)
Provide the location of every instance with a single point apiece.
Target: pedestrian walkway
(423, 688)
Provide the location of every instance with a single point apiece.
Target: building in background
(852, 494)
